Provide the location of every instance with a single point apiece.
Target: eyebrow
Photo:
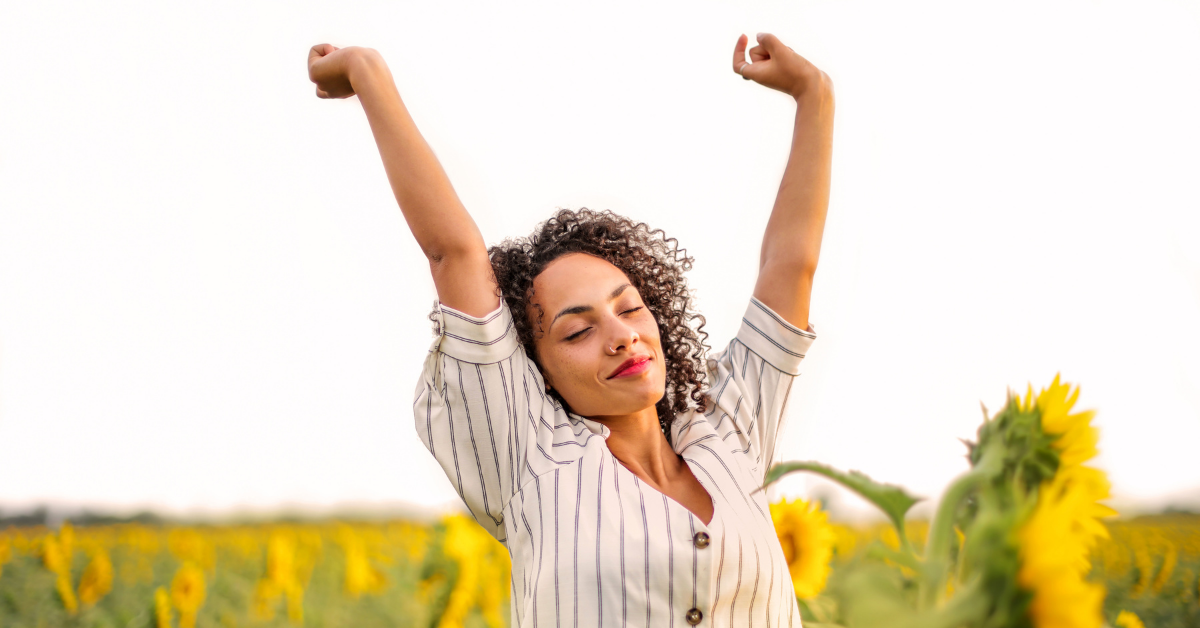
(580, 309)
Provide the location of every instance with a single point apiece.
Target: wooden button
(702, 540)
(694, 616)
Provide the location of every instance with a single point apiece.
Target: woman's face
(598, 343)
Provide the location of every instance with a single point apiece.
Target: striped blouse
(591, 544)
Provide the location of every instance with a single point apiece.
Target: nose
(623, 336)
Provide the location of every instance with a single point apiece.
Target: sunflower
(97, 578)
(807, 539)
(1076, 444)
(5, 552)
(57, 558)
(1077, 437)
(464, 543)
(361, 575)
(281, 558)
(1055, 541)
(1127, 619)
(1053, 550)
(66, 540)
(187, 593)
(162, 608)
(1168, 567)
(53, 557)
(289, 564)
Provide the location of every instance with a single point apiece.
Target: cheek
(569, 365)
(649, 331)
(662, 367)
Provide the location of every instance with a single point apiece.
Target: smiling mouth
(632, 366)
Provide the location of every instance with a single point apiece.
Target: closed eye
(577, 334)
(633, 310)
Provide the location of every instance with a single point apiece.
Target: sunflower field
(1020, 541)
(396, 573)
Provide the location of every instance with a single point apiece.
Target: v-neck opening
(706, 492)
(713, 519)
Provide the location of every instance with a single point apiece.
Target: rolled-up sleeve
(751, 379)
(483, 340)
(780, 343)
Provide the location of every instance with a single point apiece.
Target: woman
(569, 401)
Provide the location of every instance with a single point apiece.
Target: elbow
(452, 247)
(443, 258)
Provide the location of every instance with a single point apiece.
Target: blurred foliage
(1019, 541)
(1150, 566)
(336, 573)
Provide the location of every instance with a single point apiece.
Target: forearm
(792, 242)
(437, 218)
(793, 234)
(428, 201)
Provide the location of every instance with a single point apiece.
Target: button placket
(705, 564)
(700, 540)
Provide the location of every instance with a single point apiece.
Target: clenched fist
(777, 66)
(329, 68)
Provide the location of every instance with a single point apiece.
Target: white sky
(209, 299)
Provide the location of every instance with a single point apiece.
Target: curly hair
(655, 266)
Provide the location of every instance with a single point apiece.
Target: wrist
(362, 65)
(818, 86)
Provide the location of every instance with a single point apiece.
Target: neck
(637, 441)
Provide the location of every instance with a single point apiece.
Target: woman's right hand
(329, 68)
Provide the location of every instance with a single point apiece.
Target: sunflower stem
(941, 530)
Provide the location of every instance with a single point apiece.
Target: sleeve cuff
(778, 342)
(483, 340)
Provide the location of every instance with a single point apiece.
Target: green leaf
(891, 499)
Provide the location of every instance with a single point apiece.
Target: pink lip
(633, 366)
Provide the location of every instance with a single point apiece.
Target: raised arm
(444, 230)
(792, 242)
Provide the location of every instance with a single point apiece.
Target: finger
(322, 93)
(770, 42)
(318, 51)
(758, 53)
(739, 54)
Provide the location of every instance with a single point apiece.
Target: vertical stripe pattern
(591, 544)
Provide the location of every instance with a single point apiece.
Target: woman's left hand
(777, 66)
